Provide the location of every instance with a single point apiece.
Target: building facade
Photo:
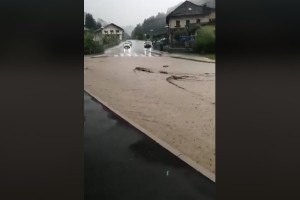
(112, 29)
(189, 16)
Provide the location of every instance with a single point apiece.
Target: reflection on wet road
(136, 50)
(123, 163)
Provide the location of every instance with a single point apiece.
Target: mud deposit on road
(171, 79)
(175, 103)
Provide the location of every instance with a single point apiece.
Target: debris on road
(143, 69)
(163, 72)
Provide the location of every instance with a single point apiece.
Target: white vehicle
(129, 42)
(126, 45)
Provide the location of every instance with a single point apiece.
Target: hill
(128, 29)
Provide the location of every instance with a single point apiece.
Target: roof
(113, 25)
(99, 30)
(188, 8)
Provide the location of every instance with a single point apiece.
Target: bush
(205, 40)
(110, 39)
(90, 46)
(179, 33)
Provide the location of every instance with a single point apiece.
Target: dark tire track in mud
(191, 78)
(176, 76)
(170, 78)
(143, 69)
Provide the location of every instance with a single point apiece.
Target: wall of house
(193, 19)
(114, 29)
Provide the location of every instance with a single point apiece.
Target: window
(111, 31)
(177, 23)
(187, 22)
(117, 31)
(106, 32)
(198, 21)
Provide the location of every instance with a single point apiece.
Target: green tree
(90, 46)
(205, 40)
(157, 23)
(90, 22)
(138, 33)
(98, 25)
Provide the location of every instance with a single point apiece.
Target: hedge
(205, 40)
(90, 46)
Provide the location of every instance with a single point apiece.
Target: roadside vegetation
(205, 40)
(90, 46)
(179, 33)
(156, 23)
(110, 40)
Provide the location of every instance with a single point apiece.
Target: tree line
(91, 23)
(156, 23)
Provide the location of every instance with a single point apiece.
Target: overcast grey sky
(127, 12)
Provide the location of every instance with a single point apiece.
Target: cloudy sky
(127, 12)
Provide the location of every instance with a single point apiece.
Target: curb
(165, 145)
(155, 52)
(99, 56)
(178, 57)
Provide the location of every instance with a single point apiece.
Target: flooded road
(123, 163)
(136, 50)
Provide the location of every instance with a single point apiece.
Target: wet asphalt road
(121, 163)
(137, 49)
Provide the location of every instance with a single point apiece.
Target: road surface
(175, 103)
(137, 50)
(123, 163)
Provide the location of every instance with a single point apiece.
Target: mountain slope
(128, 29)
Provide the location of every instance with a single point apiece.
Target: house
(112, 29)
(189, 16)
